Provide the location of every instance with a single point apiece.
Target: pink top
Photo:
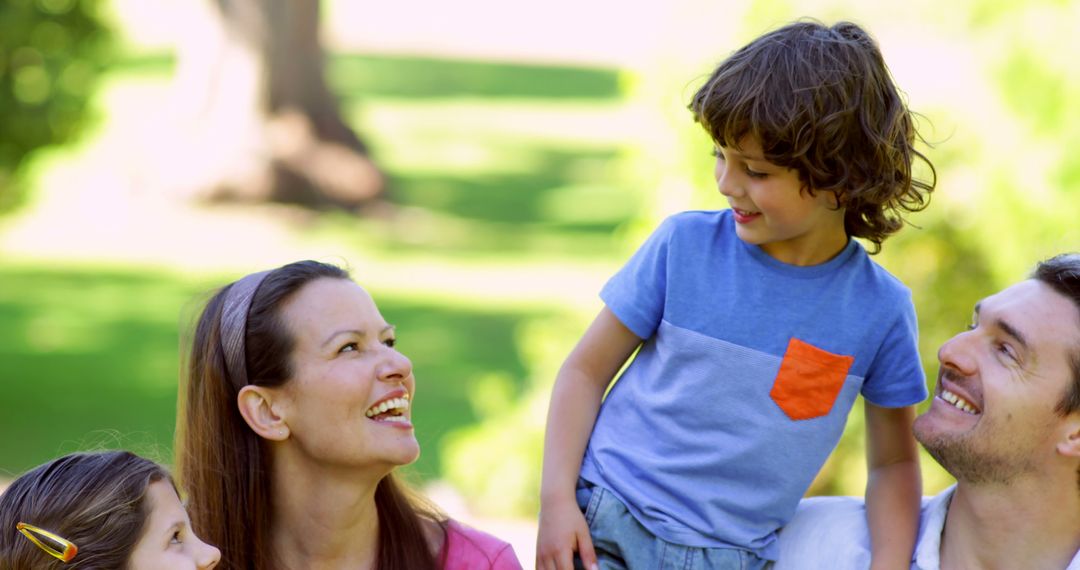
(469, 549)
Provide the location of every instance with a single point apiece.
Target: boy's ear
(837, 202)
(1070, 441)
(259, 407)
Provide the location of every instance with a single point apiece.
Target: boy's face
(772, 210)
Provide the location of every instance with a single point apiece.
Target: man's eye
(391, 342)
(350, 347)
(1007, 350)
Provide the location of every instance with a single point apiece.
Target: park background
(527, 149)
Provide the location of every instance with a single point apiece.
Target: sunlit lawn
(91, 358)
(89, 355)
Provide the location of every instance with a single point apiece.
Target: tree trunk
(275, 129)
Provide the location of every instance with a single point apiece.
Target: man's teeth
(396, 404)
(959, 402)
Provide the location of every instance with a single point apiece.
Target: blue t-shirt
(745, 379)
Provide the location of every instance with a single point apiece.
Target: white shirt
(830, 533)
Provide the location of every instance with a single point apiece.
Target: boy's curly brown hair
(822, 101)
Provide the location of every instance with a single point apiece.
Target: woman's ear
(259, 407)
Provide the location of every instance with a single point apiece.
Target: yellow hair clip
(32, 532)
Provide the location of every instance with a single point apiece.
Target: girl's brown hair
(822, 101)
(94, 500)
(225, 467)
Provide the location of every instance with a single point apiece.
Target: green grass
(359, 76)
(91, 357)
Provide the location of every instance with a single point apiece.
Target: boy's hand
(563, 531)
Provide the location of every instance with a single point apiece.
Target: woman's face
(349, 400)
(168, 543)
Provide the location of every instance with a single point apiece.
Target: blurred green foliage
(51, 54)
(1008, 195)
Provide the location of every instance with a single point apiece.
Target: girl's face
(168, 542)
(349, 400)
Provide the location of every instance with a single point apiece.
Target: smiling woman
(296, 412)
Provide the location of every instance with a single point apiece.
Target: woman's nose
(395, 366)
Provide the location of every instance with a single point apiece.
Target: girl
(95, 511)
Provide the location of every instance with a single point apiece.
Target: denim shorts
(621, 542)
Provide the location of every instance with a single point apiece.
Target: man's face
(992, 417)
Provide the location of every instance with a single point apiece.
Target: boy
(758, 326)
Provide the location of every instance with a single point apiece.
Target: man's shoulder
(826, 533)
(832, 533)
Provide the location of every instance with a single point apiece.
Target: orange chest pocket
(809, 380)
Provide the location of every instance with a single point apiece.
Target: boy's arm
(894, 486)
(575, 402)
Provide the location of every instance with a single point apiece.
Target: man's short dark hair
(1062, 273)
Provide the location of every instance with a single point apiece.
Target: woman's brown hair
(822, 101)
(94, 500)
(225, 467)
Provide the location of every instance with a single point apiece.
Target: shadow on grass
(356, 76)
(569, 203)
(359, 76)
(91, 357)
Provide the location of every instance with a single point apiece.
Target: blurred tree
(50, 59)
(257, 78)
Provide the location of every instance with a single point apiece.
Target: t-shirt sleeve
(896, 379)
(636, 292)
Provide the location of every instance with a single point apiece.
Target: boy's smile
(773, 209)
(744, 216)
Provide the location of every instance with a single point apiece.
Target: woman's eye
(391, 342)
(175, 538)
(350, 347)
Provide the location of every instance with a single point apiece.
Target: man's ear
(259, 407)
(1070, 442)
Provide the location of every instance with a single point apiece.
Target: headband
(233, 325)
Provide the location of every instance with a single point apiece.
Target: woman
(295, 414)
(98, 510)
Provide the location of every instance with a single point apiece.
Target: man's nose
(957, 353)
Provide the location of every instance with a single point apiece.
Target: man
(1005, 422)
